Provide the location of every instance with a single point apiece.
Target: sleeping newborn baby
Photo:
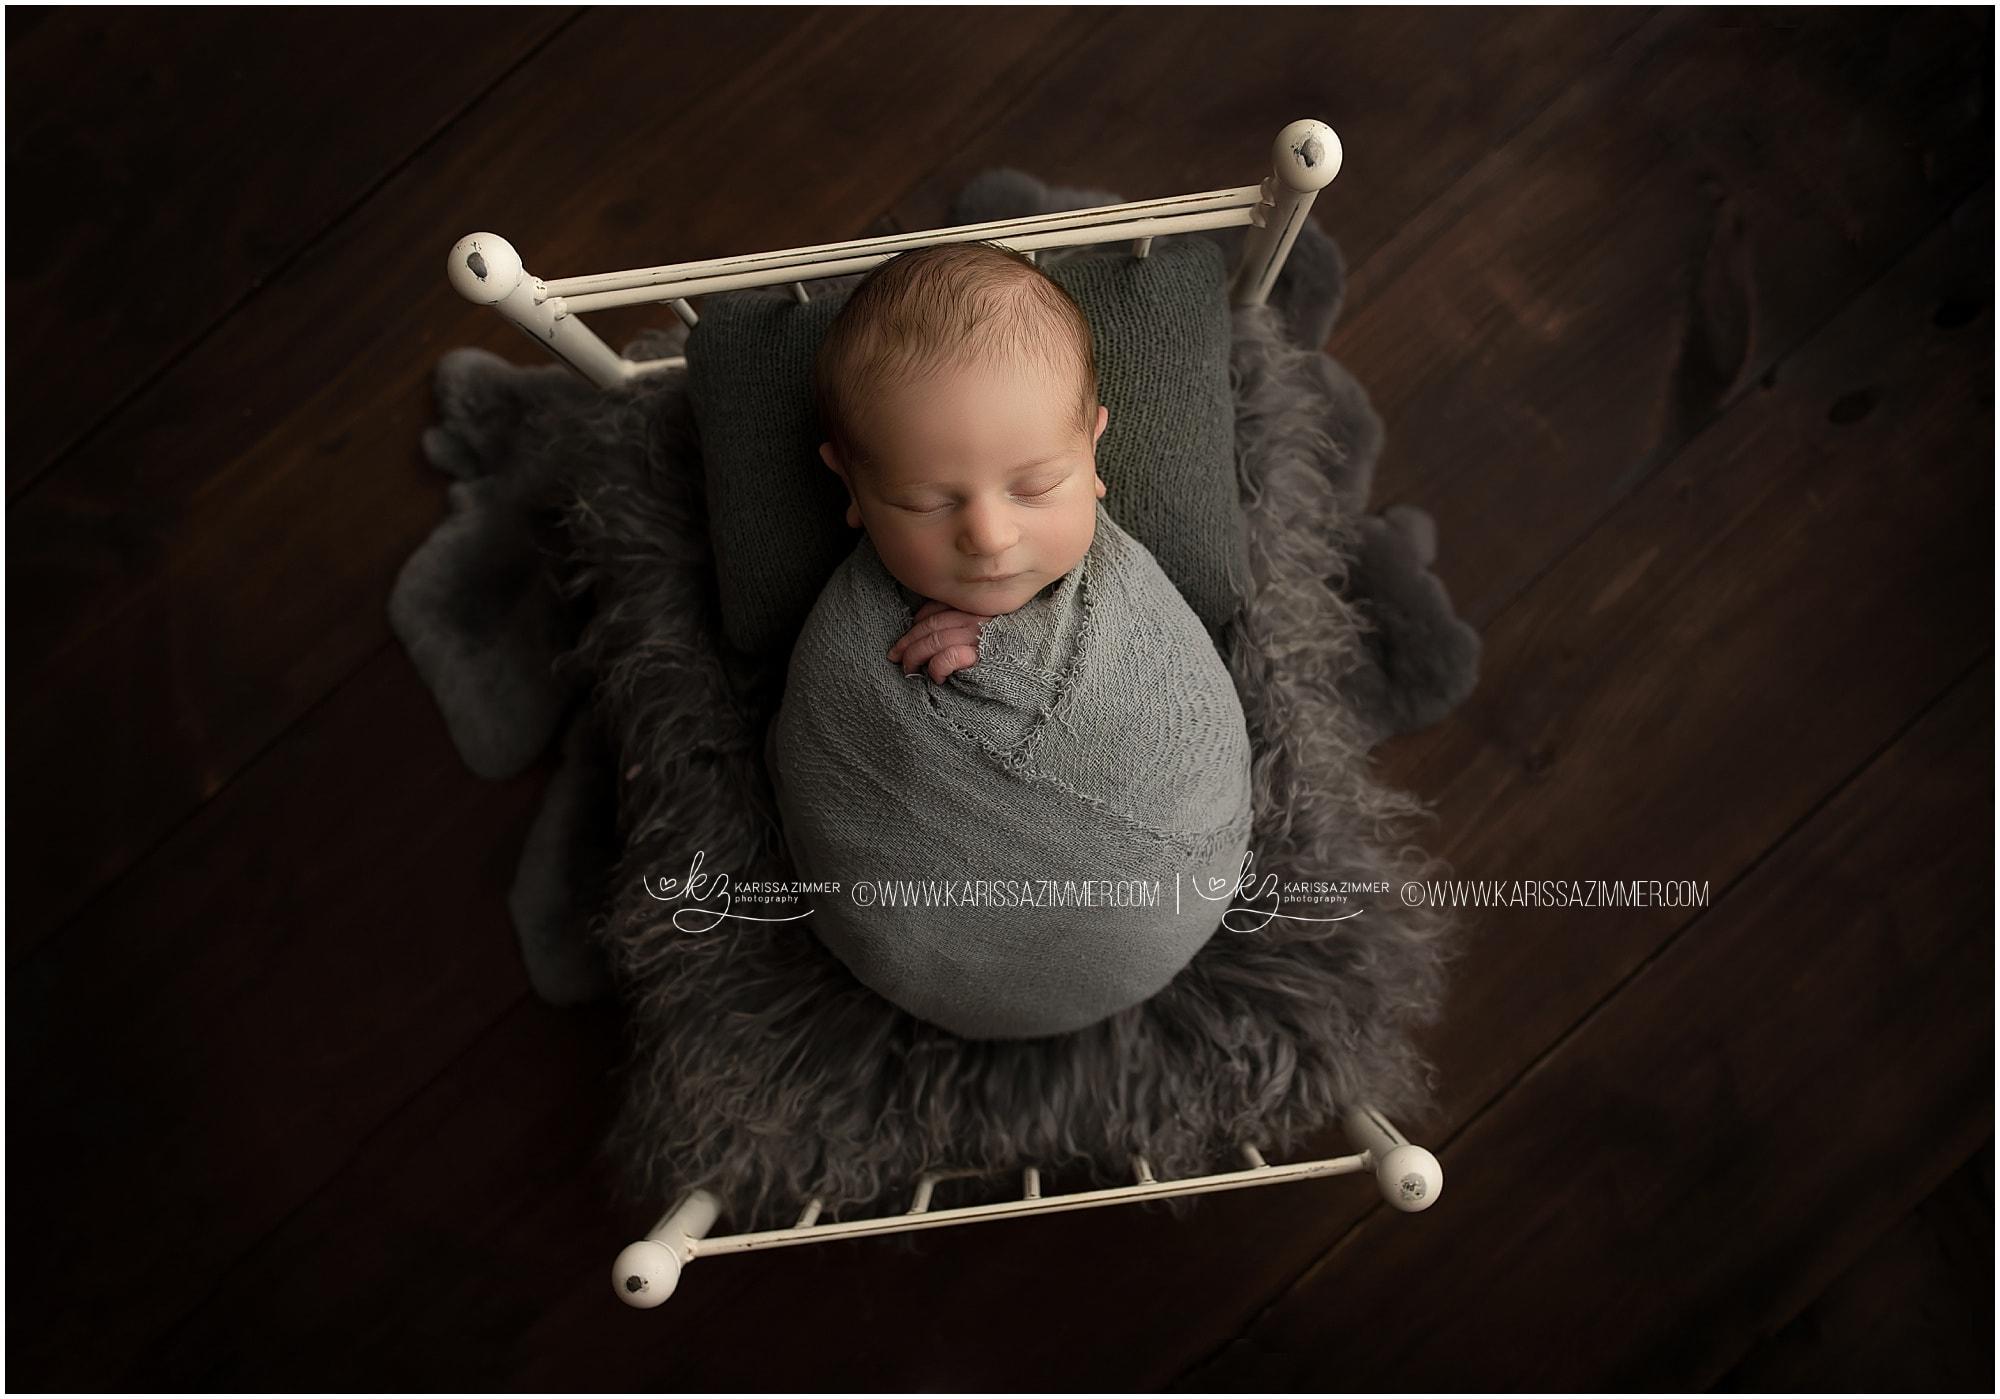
(1004, 731)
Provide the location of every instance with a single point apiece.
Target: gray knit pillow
(1161, 328)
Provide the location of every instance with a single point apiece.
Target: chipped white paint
(646, 1273)
(486, 270)
(1409, 1177)
(1305, 158)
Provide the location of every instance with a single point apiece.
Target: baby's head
(957, 389)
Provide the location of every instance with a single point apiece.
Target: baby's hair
(940, 307)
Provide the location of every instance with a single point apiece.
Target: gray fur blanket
(570, 591)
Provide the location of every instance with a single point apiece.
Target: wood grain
(175, 162)
(1416, 102)
(1607, 654)
(1691, 1165)
(219, 1034)
(268, 1030)
(1915, 1312)
(273, 524)
(1553, 331)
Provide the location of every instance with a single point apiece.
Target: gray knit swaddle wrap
(1097, 751)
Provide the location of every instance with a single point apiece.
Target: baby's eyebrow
(1011, 471)
(1039, 461)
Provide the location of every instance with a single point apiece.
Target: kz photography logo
(702, 888)
(1300, 891)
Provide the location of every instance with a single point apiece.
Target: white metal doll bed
(486, 270)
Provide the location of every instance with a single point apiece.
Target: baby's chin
(993, 599)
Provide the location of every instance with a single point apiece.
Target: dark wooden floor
(1682, 326)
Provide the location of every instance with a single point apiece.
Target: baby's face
(984, 490)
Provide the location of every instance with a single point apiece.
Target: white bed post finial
(485, 270)
(646, 1273)
(1409, 1177)
(1304, 160)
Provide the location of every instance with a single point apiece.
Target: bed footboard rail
(646, 1273)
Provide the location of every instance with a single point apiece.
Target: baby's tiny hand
(944, 640)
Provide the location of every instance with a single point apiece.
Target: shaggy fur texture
(762, 1070)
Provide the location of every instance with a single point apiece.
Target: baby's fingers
(922, 648)
(938, 626)
(927, 619)
(952, 658)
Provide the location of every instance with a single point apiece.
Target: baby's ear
(832, 460)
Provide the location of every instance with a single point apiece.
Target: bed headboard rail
(486, 270)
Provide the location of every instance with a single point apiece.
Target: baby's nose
(987, 532)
